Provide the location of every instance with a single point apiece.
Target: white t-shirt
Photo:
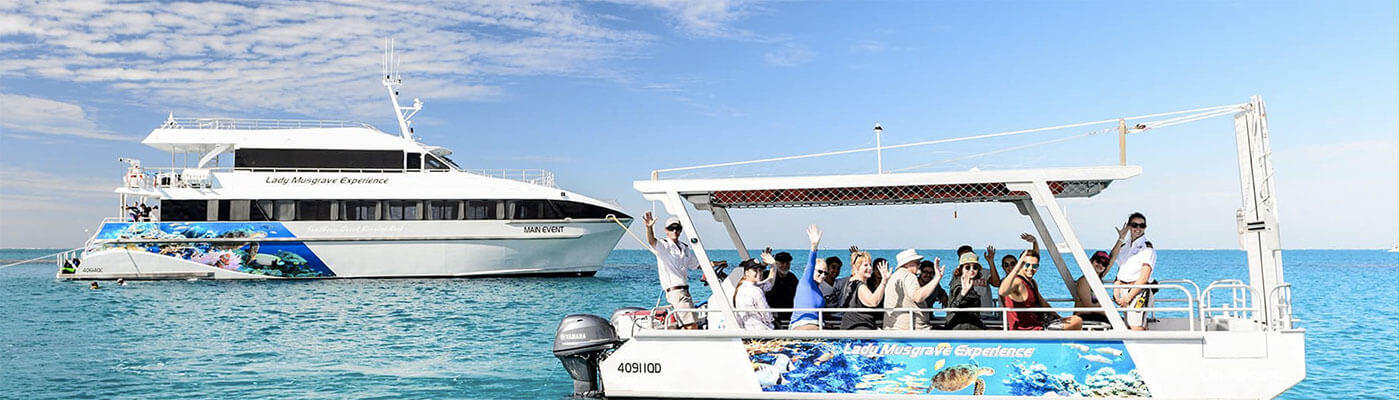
(672, 261)
(751, 297)
(1131, 268)
(1130, 249)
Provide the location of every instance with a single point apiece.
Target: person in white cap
(904, 291)
(674, 260)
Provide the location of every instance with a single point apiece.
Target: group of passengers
(887, 296)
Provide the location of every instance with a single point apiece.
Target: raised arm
(1009, 285)
(1118, 245)
(927, 290)
(995, 278)
(650, 221)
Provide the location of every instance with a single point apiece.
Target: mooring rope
(37, 258)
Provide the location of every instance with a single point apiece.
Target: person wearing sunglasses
(963, 293)
(674, 260)
(1135, 260)
(865, 289)
(809, 295)
(1019, 290)
(1084, 293)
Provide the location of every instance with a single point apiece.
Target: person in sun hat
(674, 260)
(962, 293)
(904, 291)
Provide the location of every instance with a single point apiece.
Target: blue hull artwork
(276, 259)
(951, 367)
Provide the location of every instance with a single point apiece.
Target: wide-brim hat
(968, 258)
(907, 256)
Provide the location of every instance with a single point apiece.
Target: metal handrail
(534, 176)
(256, 123)
(1238, 303)
(821, 318)
(1285, 304)
(1190, 301)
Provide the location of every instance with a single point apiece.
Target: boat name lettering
(301, 180)
(544, 229)
(942, 349)
(639, 368)
(92, 270)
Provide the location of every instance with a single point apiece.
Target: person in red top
(1020, 291)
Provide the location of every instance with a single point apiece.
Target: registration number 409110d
(639, 368)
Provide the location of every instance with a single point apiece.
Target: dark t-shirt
(784, 288)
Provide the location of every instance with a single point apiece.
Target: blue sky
(602, 92)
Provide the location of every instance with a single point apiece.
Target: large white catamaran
(321, 199)
(1228, 339)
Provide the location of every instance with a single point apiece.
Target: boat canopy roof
(208, 134)
(887, 189)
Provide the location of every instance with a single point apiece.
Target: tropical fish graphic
(1109, 351)
(1096, 358)
(1077, 346)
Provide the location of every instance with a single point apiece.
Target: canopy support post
(721, 215)
(1040, 194)
(671, 200)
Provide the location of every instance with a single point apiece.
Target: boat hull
(885, 364)
(346, 249)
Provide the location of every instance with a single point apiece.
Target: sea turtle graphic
(959, 377)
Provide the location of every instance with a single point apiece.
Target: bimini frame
(1030, 190)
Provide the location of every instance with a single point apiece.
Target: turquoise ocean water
(491, 338)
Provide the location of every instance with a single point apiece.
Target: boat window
(443, 209)
(184, 210)
(261, 211)
(532, 209)
(431, 163)
(286, 210)
(237, 210)
(414, 161)
(401, 210)
(449, 161)
(359, 210)
(574, 209)
(223, 213)
(317, 159)
(313, 210)
(482, 209)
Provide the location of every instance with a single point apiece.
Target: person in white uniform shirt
(674, 260)
(1135, 260)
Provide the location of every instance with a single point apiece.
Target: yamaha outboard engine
(580, 343)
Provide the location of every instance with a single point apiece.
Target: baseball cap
(672, 221)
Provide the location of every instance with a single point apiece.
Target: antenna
(392, 81)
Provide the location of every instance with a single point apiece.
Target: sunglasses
(1137, 225)
(1033, 266)
(673, 228)
(972, 267)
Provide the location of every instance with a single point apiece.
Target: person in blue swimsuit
(808, 295)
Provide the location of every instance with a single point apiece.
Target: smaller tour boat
(1228, 339)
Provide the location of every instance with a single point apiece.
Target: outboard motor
(580, 343)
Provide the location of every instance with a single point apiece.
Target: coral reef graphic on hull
(277, 259)
(951, 367)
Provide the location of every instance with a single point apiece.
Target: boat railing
(671, 323)
(257, 124)
(1284, 295)
(1241, 305)
(534, 176)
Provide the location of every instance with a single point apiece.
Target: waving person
(808, 294)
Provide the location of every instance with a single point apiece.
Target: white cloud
(789, 55)
(703, 17)
(318, 58)
(50, 117)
